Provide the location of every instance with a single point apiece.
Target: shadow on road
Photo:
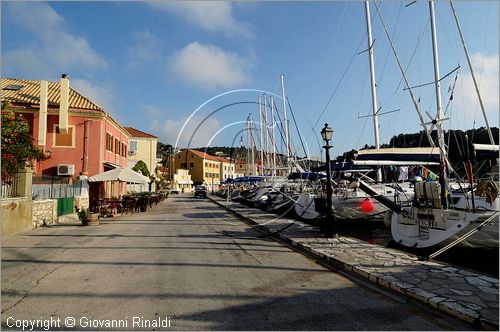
(209, 215)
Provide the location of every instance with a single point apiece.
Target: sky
(154, 65)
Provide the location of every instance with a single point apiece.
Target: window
(183, 165)
(109, 142)
(133, 147)
(117, 146)
(64, 140)
(191, 165)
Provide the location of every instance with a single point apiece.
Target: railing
(49, 187)
(9, 186)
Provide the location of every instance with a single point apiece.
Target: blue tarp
(245, 179)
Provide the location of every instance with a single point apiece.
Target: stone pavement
(467, 295)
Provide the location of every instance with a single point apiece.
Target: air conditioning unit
(132, 152)
(65, 169)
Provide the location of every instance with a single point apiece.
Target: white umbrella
(120, 174)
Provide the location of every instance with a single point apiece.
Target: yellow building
(142, 146)
(204, 168)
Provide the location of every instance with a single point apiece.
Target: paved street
(195, 263)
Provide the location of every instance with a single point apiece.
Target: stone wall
(44, 212)
(16, 215)
(82, 202)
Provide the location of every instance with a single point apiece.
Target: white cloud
(465, 97)
(209, 66)
(144, 47)
(152, 111)
(170, 130)
(101, 94)
(53, 49)
(211, 16)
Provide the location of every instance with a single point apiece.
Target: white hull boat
(427, 224)
(305, 207)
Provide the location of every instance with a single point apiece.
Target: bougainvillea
(18, 149)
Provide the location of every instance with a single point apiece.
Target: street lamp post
(326, 134)
(212, 184)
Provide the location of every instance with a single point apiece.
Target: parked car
(175, 191)
(200, 191)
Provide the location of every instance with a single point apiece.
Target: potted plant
(143, 202)
(87, 218)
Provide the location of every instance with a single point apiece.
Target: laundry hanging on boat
(403, 173)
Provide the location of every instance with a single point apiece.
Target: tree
(18, 149)
(141, 167)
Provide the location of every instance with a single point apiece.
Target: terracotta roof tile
(29, 93)
(201, 154)
(137, 133)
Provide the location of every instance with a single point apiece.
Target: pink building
(80, 137)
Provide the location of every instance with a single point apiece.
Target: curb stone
(441, 298)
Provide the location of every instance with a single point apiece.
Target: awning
(485, 147)
(112, 165)
(120, 174)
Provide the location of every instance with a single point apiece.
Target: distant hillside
(227, 151)
(456, 139)
(459, 147)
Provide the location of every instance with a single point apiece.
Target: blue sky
(151, 64)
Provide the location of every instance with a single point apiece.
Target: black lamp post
(212, 184)
(326, 134)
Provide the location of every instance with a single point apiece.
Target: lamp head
(326, 133)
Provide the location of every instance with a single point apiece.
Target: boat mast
(407, 84)
(260, 140)
(492, 140)
(252, 142)
(373, 84)
(273, 136)
(287, 135)
(266, 164)
(248, 146)
(439, 115)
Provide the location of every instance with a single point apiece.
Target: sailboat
(436, 217)
(348, 201)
